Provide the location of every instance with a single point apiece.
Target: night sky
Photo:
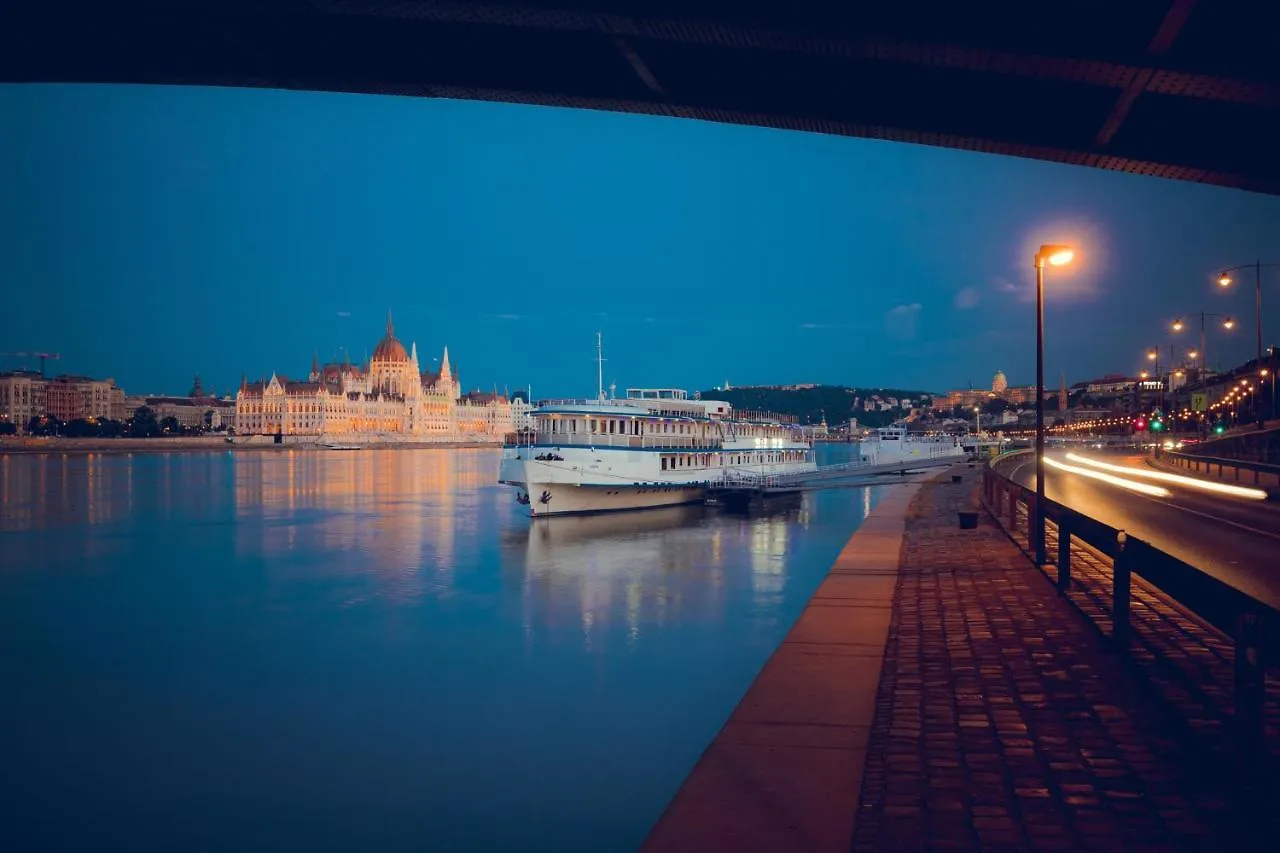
(151, 233)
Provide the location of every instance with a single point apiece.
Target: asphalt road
(1234, 539)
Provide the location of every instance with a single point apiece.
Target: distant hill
(837, 402)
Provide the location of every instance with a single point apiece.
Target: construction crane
(40, 355)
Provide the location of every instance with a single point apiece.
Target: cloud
(1066, 285)
(344, 313)
(968, 297)
(811, 326)
(903, 321)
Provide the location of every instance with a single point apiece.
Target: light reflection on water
(369, 649)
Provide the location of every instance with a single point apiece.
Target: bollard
(1250, 684)
(1064, 554)
(1121, 569)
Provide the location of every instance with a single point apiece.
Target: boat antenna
(599, 366)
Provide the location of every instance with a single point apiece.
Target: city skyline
(155, 232)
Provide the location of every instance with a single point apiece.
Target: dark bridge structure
(1181, 89)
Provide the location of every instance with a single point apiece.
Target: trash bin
(968, 519)
(955, 478)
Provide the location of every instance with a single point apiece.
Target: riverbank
(192, 444)
(785, 771)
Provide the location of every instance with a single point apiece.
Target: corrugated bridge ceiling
(1183, 89)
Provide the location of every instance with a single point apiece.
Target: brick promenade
(1003, 722)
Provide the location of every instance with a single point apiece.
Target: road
(1234, 539)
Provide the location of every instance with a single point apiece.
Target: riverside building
(390, 398)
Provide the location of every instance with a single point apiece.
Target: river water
(369, 650)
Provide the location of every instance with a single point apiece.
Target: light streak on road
(1189, 482)
(1131, 485)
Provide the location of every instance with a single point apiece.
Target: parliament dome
(389, 348)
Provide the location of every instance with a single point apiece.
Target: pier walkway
(844, 473)
(1002, 720)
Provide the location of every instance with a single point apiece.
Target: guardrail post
(1250, 685)
(1121, 572)
(1013, 507)
(1064, 553)
(1032, 512)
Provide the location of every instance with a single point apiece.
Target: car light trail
(1131, 485)
(1189, 482)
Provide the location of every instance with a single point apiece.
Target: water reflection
(376, 636)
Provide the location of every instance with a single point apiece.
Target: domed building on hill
(389, 398)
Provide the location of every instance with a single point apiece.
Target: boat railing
(639, 442)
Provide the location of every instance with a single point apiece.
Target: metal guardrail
(1253, 625)
(1196, 462)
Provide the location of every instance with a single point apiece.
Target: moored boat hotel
(655, 447)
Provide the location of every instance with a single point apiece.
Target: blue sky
(150, 233)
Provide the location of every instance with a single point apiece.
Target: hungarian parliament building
(389, 398)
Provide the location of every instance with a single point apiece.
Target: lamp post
(977, 421)
(1054, 256)
(1224, 279)
(1203, 352)
(1153, 354)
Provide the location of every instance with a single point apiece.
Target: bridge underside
(1171, 88)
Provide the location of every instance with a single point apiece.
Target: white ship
(896, 444)
(654, 448)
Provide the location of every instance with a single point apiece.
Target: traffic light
(1219, 429)
(1156, 424)
(1139, 424)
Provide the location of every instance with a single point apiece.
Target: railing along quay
(1259, 474)
(1252, 626)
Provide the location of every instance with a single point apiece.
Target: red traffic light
(1139, 424)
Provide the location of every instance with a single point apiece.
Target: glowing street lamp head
(1177, 325)
(1193, 353)
(1152, 355)
(1056, 255)
(1144, 374)
(1224, 279)
(1228, 323)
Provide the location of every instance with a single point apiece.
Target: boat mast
(599, 366)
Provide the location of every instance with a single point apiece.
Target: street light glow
(1224, 279)
(1193, 354)
(1153, 355)
(1056, 255)
(1177, 325)
(1228, 323)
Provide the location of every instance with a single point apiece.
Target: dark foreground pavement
(1005, 721)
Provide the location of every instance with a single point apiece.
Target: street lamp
(1054, 255)
(1203, 352)
(977, 422)
(1224, 279)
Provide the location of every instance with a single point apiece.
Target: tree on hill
(834, 403)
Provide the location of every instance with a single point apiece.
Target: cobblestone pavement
(1004, 723)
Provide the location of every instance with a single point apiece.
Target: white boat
(342, 446)
(656, 447)
(896, 444)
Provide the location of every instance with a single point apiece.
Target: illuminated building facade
(390, 398)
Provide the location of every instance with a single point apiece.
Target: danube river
(368, 650)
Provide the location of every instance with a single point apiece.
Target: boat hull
(547, 499)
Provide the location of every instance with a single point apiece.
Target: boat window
(664, 463)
